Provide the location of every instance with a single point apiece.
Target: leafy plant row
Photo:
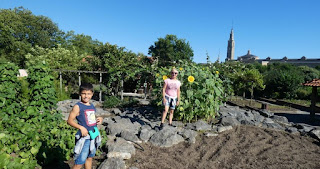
(201, 90)
(32, 133)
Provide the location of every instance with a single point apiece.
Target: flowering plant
(201, 90)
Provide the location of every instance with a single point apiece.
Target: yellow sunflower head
(180, 68)
(164, 77)
(217, 72)
(191, 79)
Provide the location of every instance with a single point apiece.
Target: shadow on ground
(301, 118)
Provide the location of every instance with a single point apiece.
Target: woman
(171, 96)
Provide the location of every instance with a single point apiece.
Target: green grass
(252, 103)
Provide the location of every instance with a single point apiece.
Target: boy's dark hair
(85, 86)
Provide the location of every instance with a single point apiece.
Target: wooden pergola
(79, 76)
(315, 83)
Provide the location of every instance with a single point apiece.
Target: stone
(65, 116)
(189, 135)
(280, 119)
(257, 116)
(292, 130)
(146, 133)
(266, 113)
(113, 163)
(166, 137)
(190, 126)
(103, 113)
(116, 111)
(229, 121)
(107, 121)
(315, 133)
(146, 127)
(268, 120)
(129, 136)
(248, 123)
(62, 109)
(122, 124)
(304, 127)
(221, 129)
(202, 125)
(209, 134)
(273, 126)
(178, 123)
(120, 149)
(133, 168)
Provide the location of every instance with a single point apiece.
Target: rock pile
(127, 129)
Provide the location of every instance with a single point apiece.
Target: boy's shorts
(81, 159)
(171, 102)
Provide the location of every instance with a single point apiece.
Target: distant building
(248, 58)
(230, 50)
(303, 61)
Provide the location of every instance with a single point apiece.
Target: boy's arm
(73, 114)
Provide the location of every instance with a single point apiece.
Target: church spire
(230, 50)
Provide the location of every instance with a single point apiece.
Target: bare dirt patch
(242, 147)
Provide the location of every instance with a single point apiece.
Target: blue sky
(268, 28)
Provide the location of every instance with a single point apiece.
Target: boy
(84, 112)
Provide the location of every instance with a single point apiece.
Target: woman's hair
(174, 70)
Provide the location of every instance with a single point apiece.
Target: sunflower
(217, 72)
(191, 79)
(180, 68)
(164, 77)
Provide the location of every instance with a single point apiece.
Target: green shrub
(111, 101)
(31, 133)
(304, 93)
(128, 102)
(61, 94)
(201, 90)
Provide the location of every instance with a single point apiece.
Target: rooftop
(314, 82)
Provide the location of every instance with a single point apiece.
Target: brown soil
(242, 147)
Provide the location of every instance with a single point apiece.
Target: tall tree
(84, 44)
(171, 49)
(20, 30)
(282, 80)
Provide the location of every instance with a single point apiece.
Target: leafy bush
(284, 80)
(201, 90)
(128, 102)
(111, 101)
(304, 93)
(41, 87)
(10, 88)
(31, 133)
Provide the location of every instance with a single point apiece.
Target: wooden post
(121, 89)
(60, 75)
(145, 90)
(313, 101)
(79, 83)
(100, 94)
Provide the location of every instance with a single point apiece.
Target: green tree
(55, 58)
(120, 64)
(282, 81)
(171, 49)
(20, 30)
(309, 73)
(84, 44)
